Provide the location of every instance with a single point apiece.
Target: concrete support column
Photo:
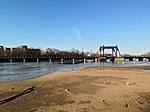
(24, 60)
(10, 60)
(119, 59)
(37, 60)
(50, 60)
(134, 59)
(84, 60)
(73, 61)
(144, 59)
(62, 61)
(96, 60)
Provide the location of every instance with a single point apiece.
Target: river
(21, 71)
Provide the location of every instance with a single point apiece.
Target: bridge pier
(37, 60)
(10, 60)
(62, 61)
(50, 60)
(73, 61)
(145, 59)
(24, 60)
(134, 59)
(119, 59)
(96, 60)
(84, 60)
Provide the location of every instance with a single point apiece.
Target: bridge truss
(115, 51)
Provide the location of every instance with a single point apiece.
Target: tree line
(24, 51)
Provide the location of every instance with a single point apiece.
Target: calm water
(20, 71)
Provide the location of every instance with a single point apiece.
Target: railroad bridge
(114, 56)
(61, 59)
(137, 58)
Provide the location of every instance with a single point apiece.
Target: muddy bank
(91, 89)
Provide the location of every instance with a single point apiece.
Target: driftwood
(28, 90)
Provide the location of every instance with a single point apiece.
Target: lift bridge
(116, 56)
(115, 50)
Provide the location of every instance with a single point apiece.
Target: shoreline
(89, 89)
(145, 67)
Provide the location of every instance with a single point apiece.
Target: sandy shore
(91, 89)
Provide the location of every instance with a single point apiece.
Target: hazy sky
(66, 24)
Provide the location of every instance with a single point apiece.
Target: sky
(79, 24)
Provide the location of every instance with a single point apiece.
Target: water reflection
(21, 71)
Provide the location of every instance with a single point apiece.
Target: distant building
(1, 47)
(24, 51)
(46, 52)
(23, 47)
(1, 50)
(56, 50)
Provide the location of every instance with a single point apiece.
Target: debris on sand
(129, 83)
(127, 104)
(138, 102)
(33, 110)
(67, 90)
(105, 82)
(105, 102)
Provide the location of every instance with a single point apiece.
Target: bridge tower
(115, 51)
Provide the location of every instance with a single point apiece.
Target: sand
(90, 89)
